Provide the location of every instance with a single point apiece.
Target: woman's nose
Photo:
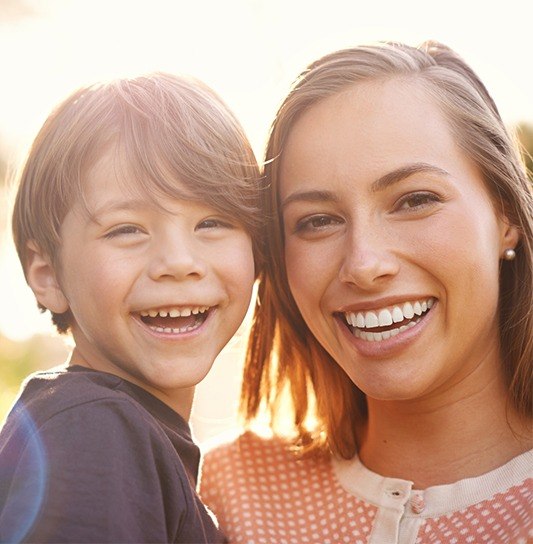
(369, 260)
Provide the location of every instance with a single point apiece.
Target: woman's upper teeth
(388, 316)
(174, 312)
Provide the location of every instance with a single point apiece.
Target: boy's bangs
(146, 176)
(155, 159)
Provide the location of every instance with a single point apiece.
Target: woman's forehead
(367, 127)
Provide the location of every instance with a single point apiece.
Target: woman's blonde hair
(163, 128)
(285, 363)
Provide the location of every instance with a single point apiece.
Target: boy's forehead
(112, 179)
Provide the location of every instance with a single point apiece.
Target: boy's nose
(177, 259)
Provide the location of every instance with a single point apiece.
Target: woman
(394, 314)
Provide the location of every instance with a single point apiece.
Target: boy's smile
(175, 320)
(156, 286)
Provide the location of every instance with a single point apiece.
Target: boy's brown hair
(163, 128)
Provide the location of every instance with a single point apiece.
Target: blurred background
(249, 51)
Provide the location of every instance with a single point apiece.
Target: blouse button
(395, 493)
(417, 504)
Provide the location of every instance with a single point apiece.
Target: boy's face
(155, 293)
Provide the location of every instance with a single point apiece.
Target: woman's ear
(42, 279)
(509, 235)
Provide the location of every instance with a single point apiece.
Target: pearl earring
(509, 254)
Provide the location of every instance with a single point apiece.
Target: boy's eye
(415, 201)
(214, 223)
(123, 230)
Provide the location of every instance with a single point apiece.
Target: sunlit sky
(247, 50)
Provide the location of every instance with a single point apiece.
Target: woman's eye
(416, 201)
(316, 223)
(123, 230)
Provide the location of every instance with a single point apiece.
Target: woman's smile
(389, 231)
(385, 323)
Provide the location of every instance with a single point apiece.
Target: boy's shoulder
(95, 447)
(68, 406)
(50, 392)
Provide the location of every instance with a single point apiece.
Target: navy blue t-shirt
(86, 456)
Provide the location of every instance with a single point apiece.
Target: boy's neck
(180, 400)
(433, 444)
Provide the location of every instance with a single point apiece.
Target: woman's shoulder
(247, 444)
(261, 489)
(253, 458)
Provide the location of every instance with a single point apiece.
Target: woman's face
(392, 243)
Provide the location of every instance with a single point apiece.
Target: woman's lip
(389, 345)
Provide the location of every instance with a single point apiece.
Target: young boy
(135, 222)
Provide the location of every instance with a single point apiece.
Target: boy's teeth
(175, 312)
(386, 317)
(171, 330)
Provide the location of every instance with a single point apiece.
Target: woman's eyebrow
(383, 182)
(404, 172)
(310, 196)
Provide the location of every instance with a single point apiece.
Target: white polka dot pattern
(504, 518)
(262, 494)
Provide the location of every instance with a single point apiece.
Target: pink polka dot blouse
(262, 494)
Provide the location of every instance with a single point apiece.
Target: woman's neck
(440, 440)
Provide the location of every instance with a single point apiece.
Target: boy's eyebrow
(118, 206)
(381, 183)
(404, 172)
